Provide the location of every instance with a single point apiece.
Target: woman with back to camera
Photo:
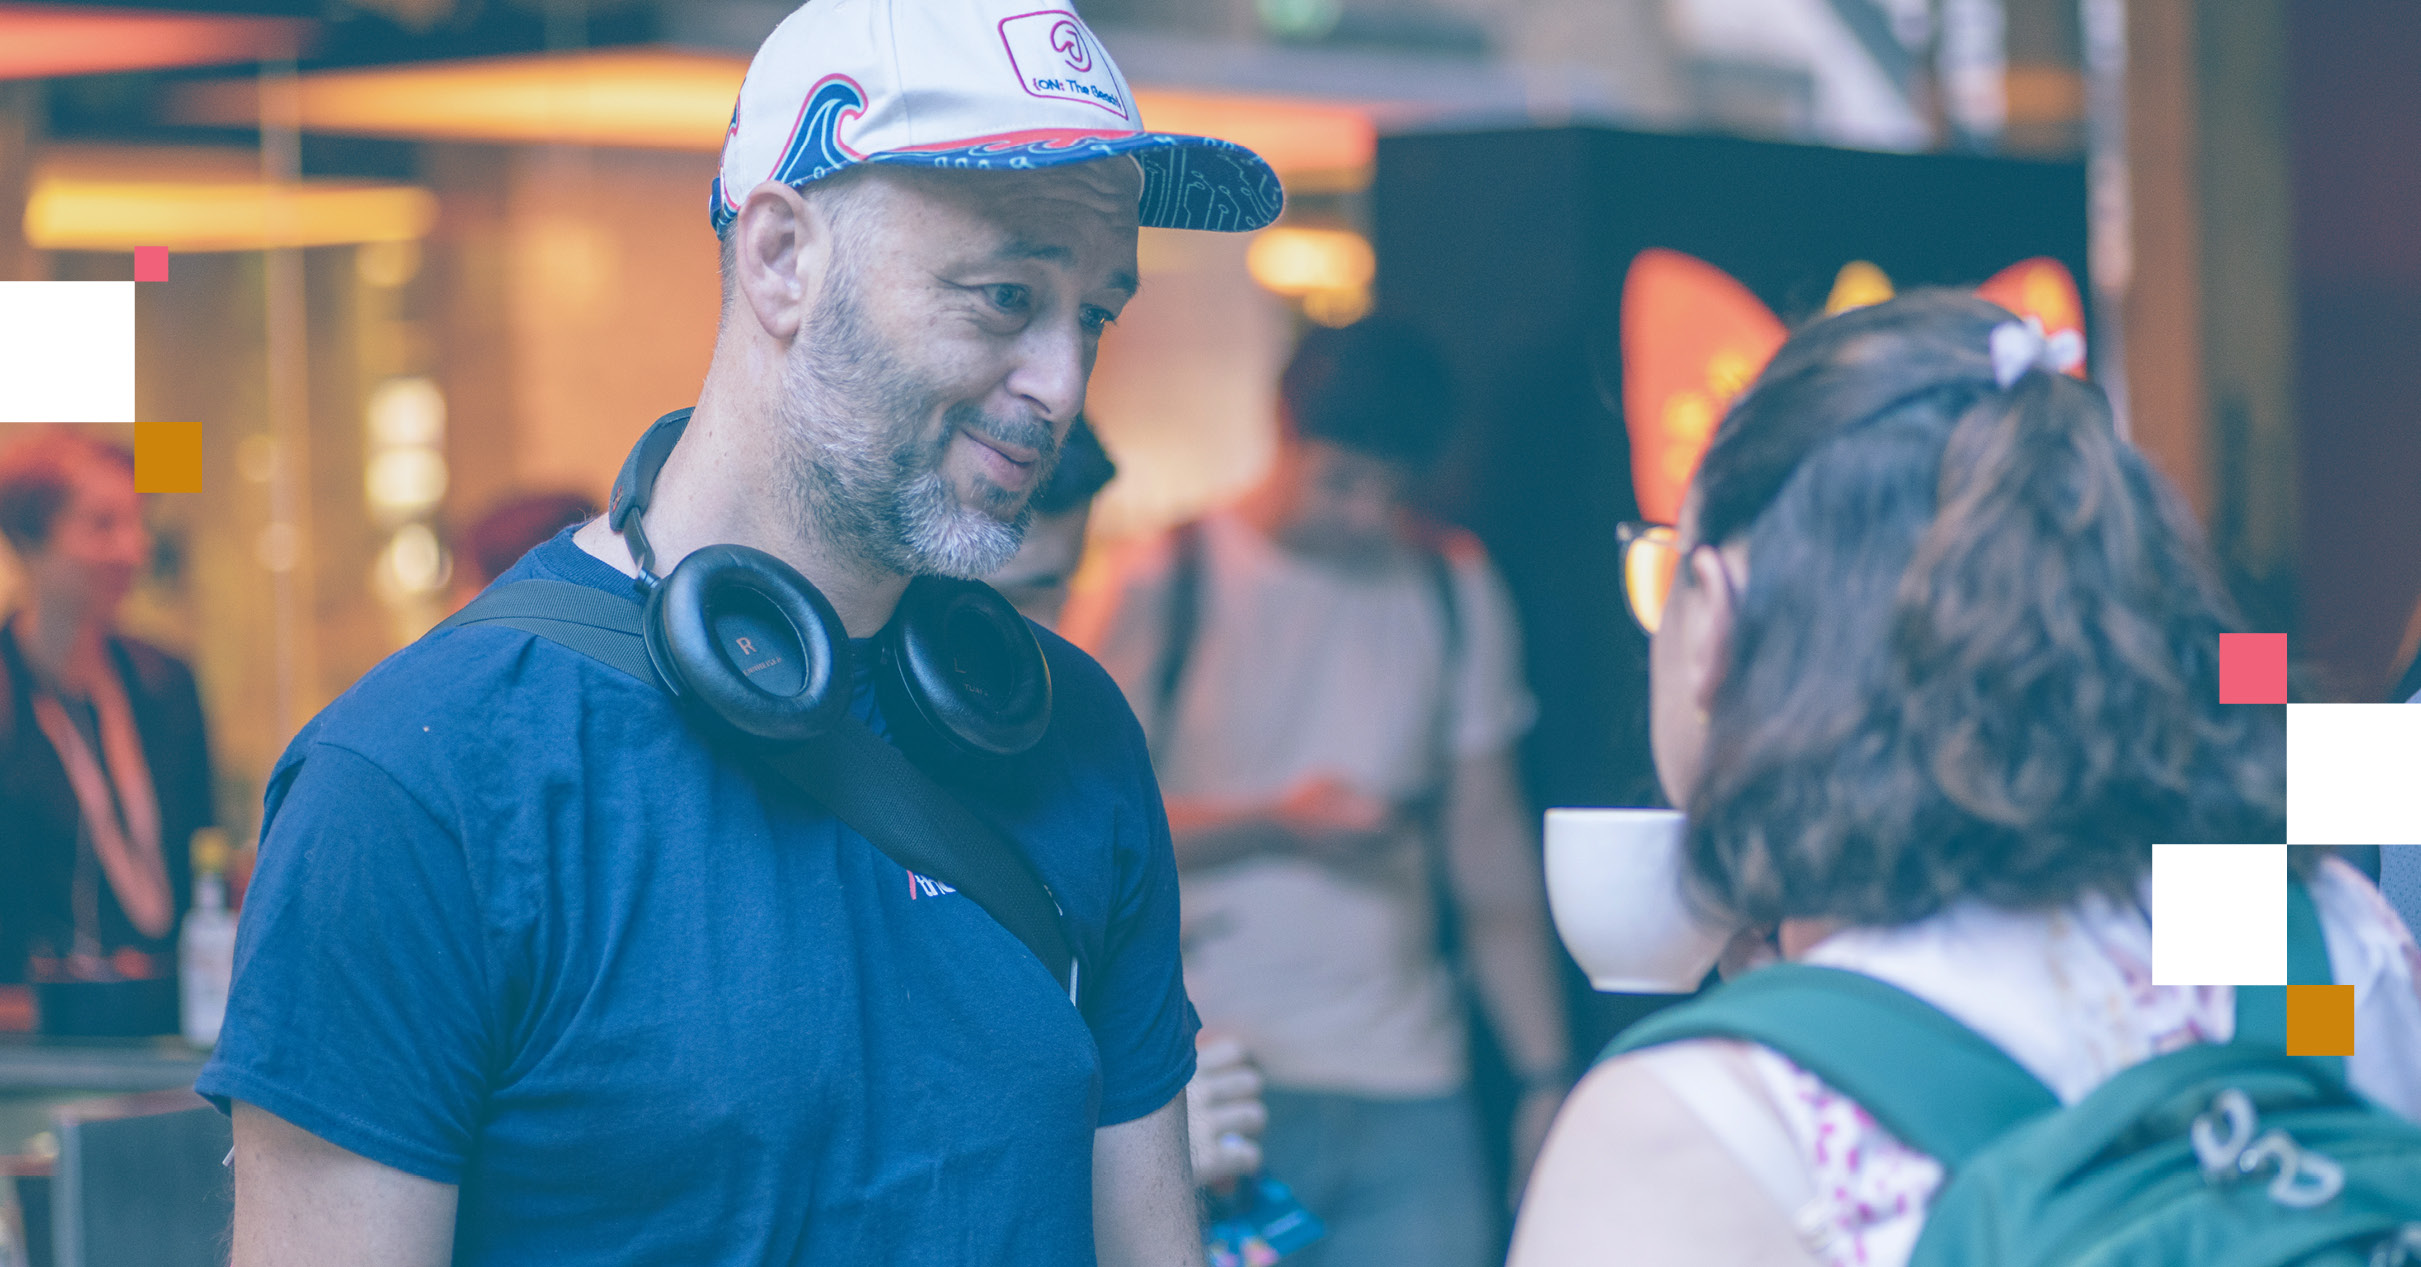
(1936, 667)
(104, 771)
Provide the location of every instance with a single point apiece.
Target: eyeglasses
(1651, 555)
(1651, 558)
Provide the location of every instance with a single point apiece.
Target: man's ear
(784, 251)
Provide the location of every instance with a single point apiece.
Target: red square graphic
(2252, 668)
(151, 263)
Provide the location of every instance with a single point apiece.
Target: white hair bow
(2019, 346)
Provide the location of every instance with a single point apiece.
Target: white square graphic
(2219, 915)
(67, 351)
(2353, 774)
(1057, 57)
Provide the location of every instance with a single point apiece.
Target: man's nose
(1053, 364)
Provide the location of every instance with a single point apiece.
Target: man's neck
(61, 647)
(721, 485)
(1268, 508)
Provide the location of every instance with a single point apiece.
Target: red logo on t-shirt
(923, 886)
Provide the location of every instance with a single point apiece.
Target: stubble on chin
(867, 462)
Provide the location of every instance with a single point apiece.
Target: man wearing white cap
(535, 967)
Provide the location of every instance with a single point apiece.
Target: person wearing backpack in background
(1333, 692)
(1937, 666)
(1224, 1115)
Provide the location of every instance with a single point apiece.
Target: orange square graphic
(168, 457)
(2320, 1020)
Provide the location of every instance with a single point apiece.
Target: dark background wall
(2355, 100)
(1510, 248)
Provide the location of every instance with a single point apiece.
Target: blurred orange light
(38, 41)
(661, 98)
(1692, 339)
(1292, 261)
(643, 98)
(200, 199)
(2044, 289)
(1324, 141)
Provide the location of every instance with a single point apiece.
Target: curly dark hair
(1977, 654)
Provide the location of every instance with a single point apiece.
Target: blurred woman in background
(1936, 666)
(104, 771)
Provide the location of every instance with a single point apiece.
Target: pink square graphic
(151, 264)
(2252, 668)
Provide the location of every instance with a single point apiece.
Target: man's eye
(1009, 298)
(1098, 319)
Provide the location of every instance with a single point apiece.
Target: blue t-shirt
(518, 926)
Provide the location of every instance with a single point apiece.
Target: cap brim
(1189, 182)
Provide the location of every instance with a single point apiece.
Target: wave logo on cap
(816, 149)
(1055, 58)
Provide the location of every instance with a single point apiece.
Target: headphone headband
(637, 482)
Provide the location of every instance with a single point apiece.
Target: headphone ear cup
(963, 668)
(740, 635)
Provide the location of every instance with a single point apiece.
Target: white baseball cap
(969, 84)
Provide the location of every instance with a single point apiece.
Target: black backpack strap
(1935, 1084)
(1433, 805)
(587, 620)
(8, 690)
(863, 781)
(874, 788)
(1184, 622)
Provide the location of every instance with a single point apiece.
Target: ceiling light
(207, 199)
(662, 98)
(39, 41)
(1292, 261)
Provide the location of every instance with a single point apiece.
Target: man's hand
(301, 1201)
(1321, 818)
(1224, 1113)
(1327, 819)
(1143, 1193)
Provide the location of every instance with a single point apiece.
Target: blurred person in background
(1333, 691)
(1037, 578)
(104, 767)
(511, 528)
(1224, 1113)
(1936, 667)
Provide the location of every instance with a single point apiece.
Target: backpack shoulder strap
(858, 778)
(8, 688)
(1184, 620)
(1450, 606)
(1448, 910)
(2261, 1009)
(1869, 1040)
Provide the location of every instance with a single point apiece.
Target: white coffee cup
(1614, 884)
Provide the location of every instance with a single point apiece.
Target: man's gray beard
(871, 484)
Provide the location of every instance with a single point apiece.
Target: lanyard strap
(129, 853)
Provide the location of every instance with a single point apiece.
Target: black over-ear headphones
(740, 636)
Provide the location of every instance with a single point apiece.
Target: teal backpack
(2219, 1155)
